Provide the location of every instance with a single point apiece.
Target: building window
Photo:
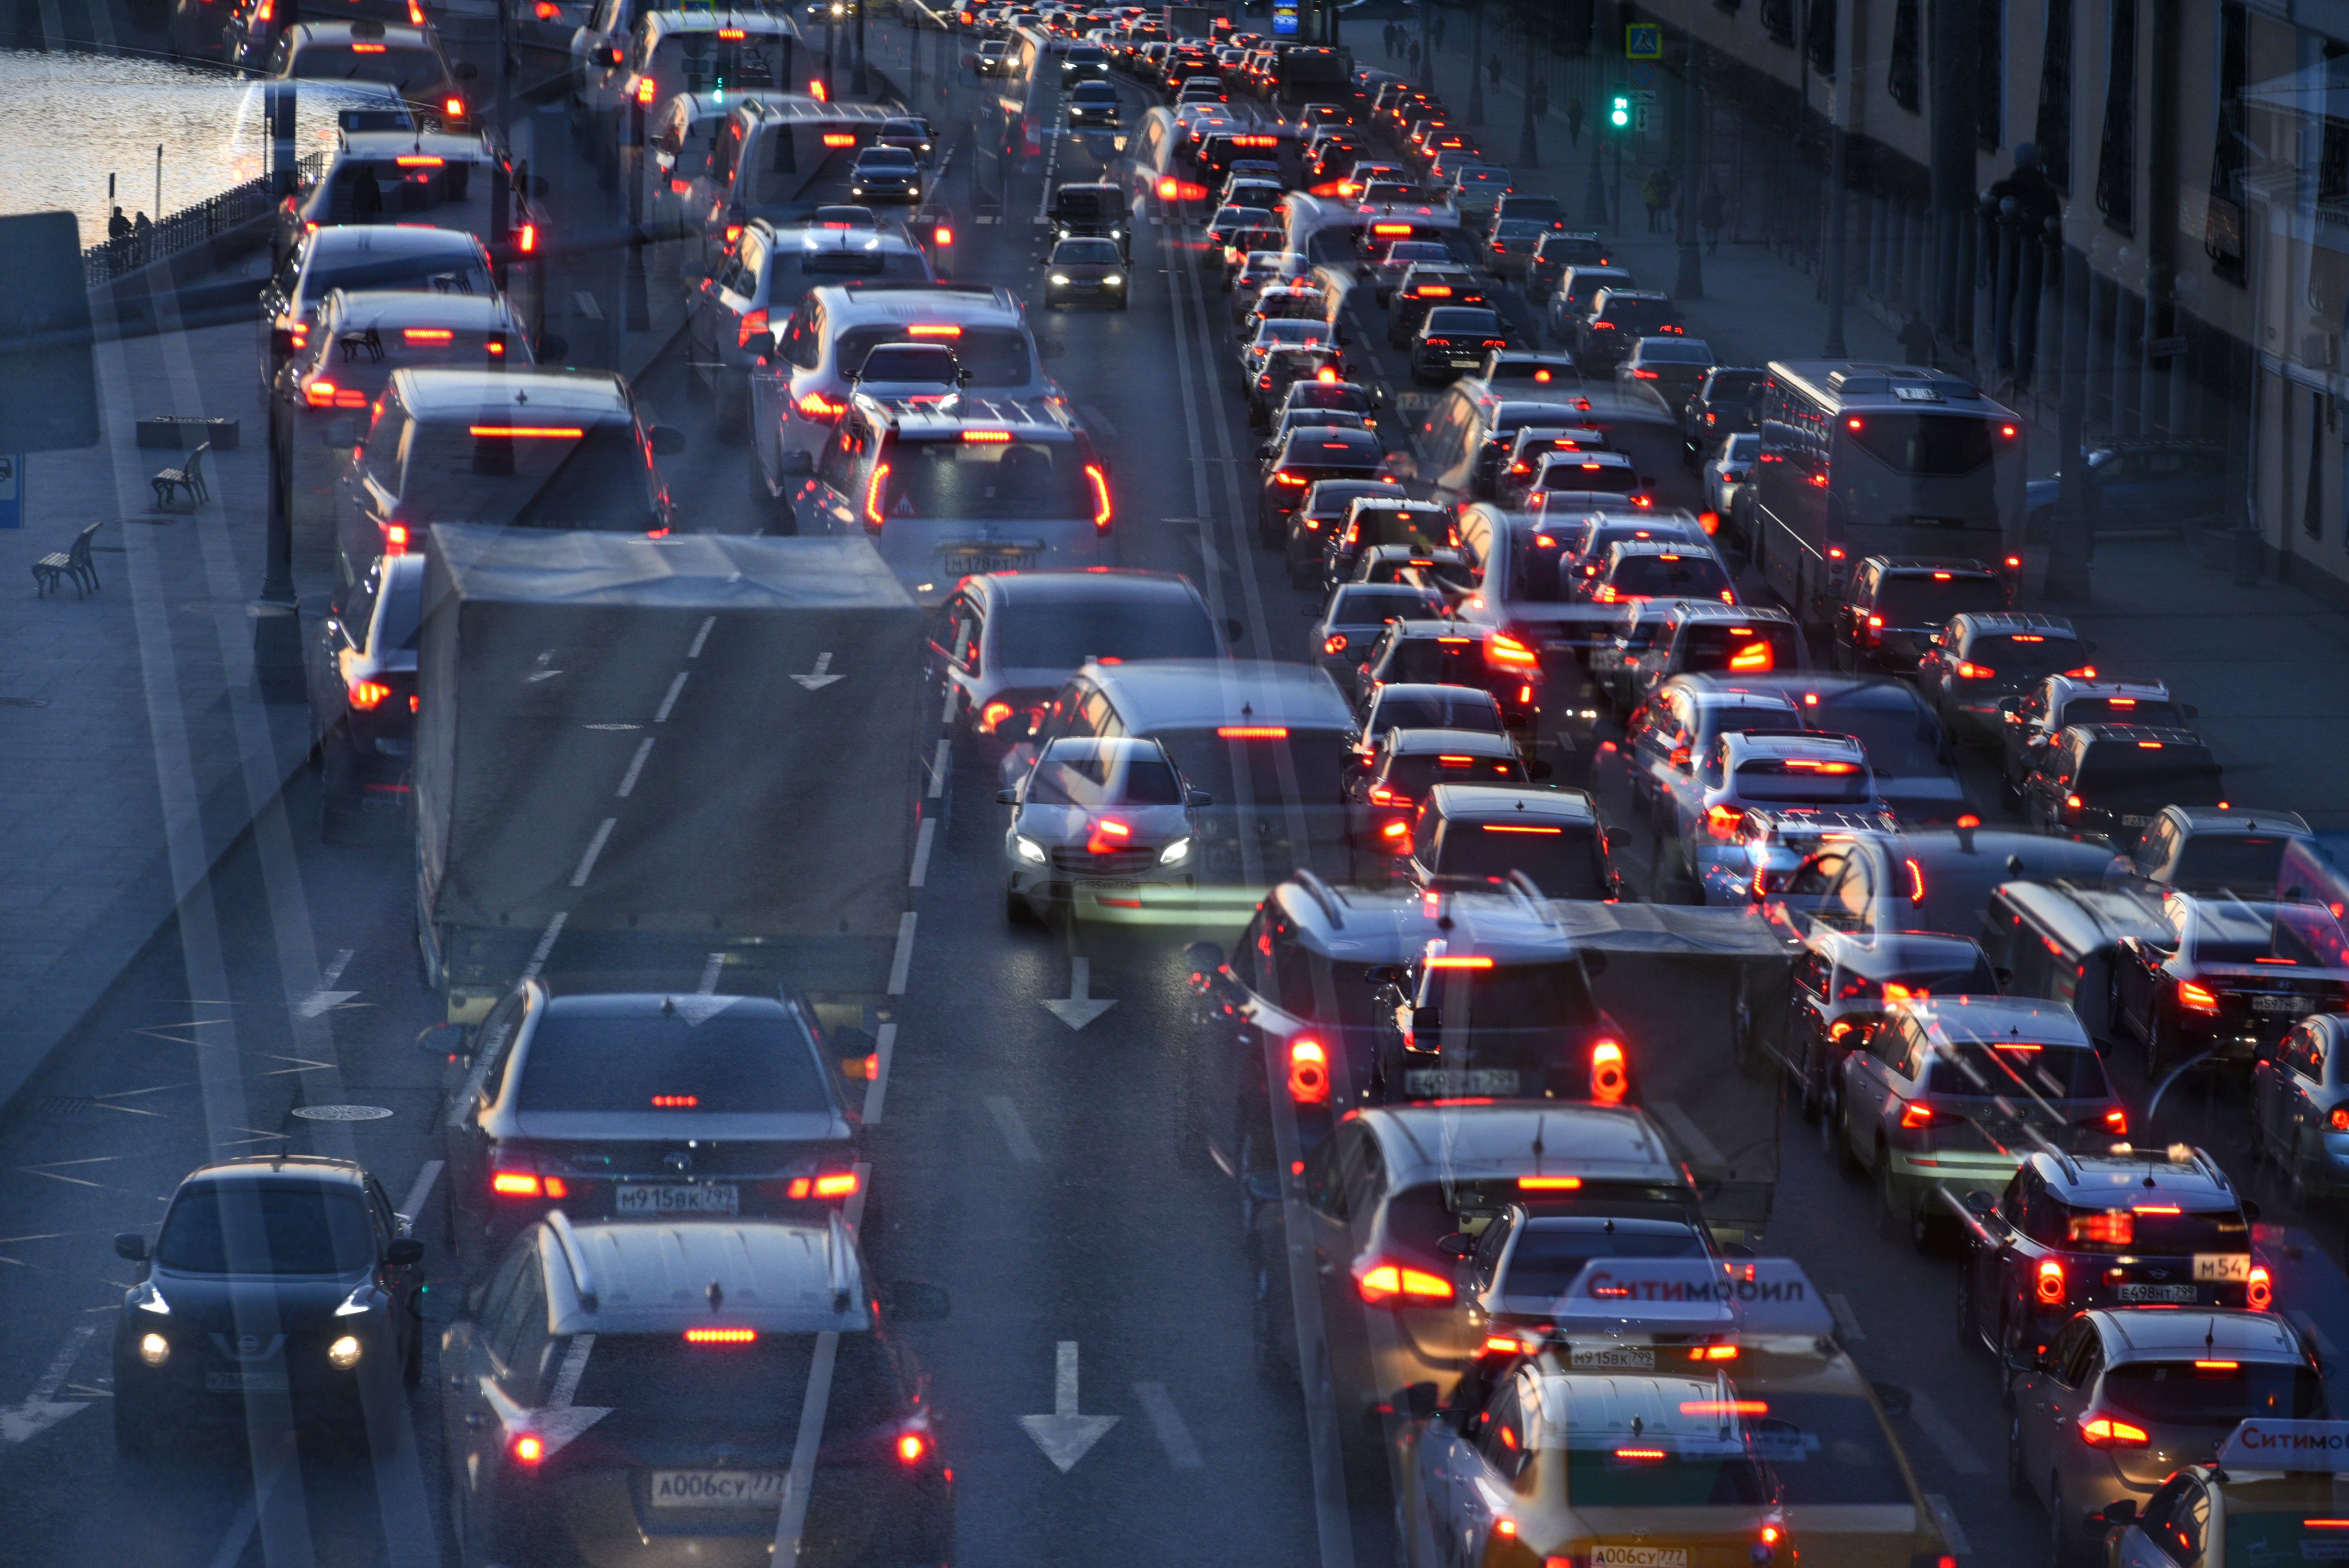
(1989, 75)
(1820, 37)
(2116, 155)
(2223, 232)
(1900, 76)
(1778, 20)
(2332, 145)
(2054, 127)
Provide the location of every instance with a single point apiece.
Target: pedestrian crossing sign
(1643, 41)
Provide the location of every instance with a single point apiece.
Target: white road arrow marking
(40, 1412)
(1079, 1008)
(819, 680)
(558, 1421)
(325, 999)
(1065, 1436)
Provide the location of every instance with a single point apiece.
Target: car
(1246, 186)
(1286, 302)
(408, 59)
(2227, 978)
(1557, 250)
(994, 58)
(1381, 518)
(1096, 814)
(1617, 319)
(1284, 425)
(1288, 332)
(1505, 417)
(2214, 850)
(1260, 269)
(1509, 253)
(1227, 221)
(1423, 705)
(1835, 998)
(1455, 653)
(1005, 641)
(1908, 750)
(1721, 407)
(1425, 286)
(1080, 63)
(1894, 604)
(1310, 456)
(1518, 367)
(1094, 104)
(1746, 769)
(363, 257)
(1982, 656)
(1951, 1094)
(627, 1104)
(1382, 797)
(1925, 878)
(1672, 367)
(2110, 778)
(1697, 636)
(1085, 269)
(1358, 612)
(1635, 569)
(1483, 835)
(1091, 211)
(884, 173)
(1324, 508)
(1731, 466)
(1472, 187)
(913, 133)
(306, 1245)
(1649, 778)
(1444, 570)
(515, 449)
(2299, 1108)
(695, 1392)
(1393, 259)
(1614, 661)
(2031, 719)
(361, 685)
(1341, 396)
(1577, 287)
(1515, 472)
(1574, 474)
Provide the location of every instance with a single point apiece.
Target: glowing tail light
(872, 495)
(1309, 1072)
(1100, 483)
(992, 715)
(912, 1447)
(645, 91)
(829, 1185)
(816, 406)
(395, 539)
(1463, 961)
(1723, 822)
(455, 107)
(752, 325)
(528, 1184)
(1252, 732)
(528, 1449)
(2105, 1432)
(1384, 1284)
(528, 432)
(2197, 999)
(721, 1337)
(2117, 1122)
(2049, 1286)
(2260, 1294)
(1755, 658)
(1611, 1075)
(367, 695)
(1335, 643)
(677, 1102)
(1503, 649)
(319, 394)
(1916, 1115)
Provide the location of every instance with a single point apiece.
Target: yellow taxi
(2275, 1494)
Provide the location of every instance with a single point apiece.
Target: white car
(1733, 467)
(1096, 815)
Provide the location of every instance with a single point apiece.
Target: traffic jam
(1184, 807)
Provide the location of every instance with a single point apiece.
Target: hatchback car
(309, 1246)
(1617, 320)
(1378, 519)
(2228, 977)
(1310, 456)
(407, 59)
(1426, 287)
(1672, 367)
(2111, 778)
(2030, 721)
(1841, 984)
(1577, 286)
(1358, 612)
(1768, 768)
(1324, 509)
(1721, 407)
(1448, 652)
(1096, 814)
(1636, 569)
(1981, 657)
(1479, 835)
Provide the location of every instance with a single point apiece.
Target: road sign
(1283, 21)
(1642, 74)
(1643, 41)
(11, 489)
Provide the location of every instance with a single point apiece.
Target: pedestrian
(1711, 215)
(1414, 55)
(1916, 339)
(143, 235)
(1574, 121)
(1493, 70)
(1656, 193)
(117, 226)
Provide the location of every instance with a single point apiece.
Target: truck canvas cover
(706, 736)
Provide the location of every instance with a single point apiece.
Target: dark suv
(1982, 656)
(1618, 318)
(1895, 604)
(2111, 778)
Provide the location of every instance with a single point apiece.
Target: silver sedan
(1097, 816)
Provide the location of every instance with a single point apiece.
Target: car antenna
(669, 1007)
(1540, 1124)
(716, 1295)
(2210, 1334)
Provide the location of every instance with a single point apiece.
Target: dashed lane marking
(1167, 1422)
(1015, 1130)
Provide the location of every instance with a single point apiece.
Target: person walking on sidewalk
(1656, 191)
(1916, 339)
(1709, 216)
(1439, 30)
(1414, 55)
(1493, 70)
(1574, 122)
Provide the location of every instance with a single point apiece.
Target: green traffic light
(1622, 113)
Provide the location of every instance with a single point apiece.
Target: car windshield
(539, 475)
(1825, 1449)
(703, 1403)
(1510, 996)
(1260, 762)
(2142, 1224)
(2027, 654)
(693, 1056)
(2018, 1069)
(1804, 781)
(1404, 252)
(225, 1226)
(2123, 710)
(1736, 386)
(1675, 351)
(1087, 252)
(1740, 650)
(1062, 633)
(994, 355)
(1917, 601)
(1415, 772)
(2214, 1391)
(951, 478)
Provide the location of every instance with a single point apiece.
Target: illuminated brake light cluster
(1309, 1072)
(528, 1184)
(721, 1337)
(1384, 1284)
(827, 1186)
(1610, 1075)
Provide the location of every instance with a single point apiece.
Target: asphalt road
(1033, 1169)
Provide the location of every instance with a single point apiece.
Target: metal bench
(190, 478)
(74, 564)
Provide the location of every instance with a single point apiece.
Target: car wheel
(2018, 1484)
(1017, 909)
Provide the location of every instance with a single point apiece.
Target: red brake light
(528, 1449)
(320, 394)
(816, 406)
(2104, 1432)
(752, 325)
(2050, 1285)
(721, 1337)
(1968, 670)
(1099, 482)
(367, 695)
(1916, 1115)
(2339, 1119)
(1503, 649)
(2117, 1122)
(1610, 1077)
(872, 495)
(1309, 1072)
(911, 1446)
(1382, 1284)
(1723, 822)
(992, 715)
(456, 106)
(2195, 998)
(2260, 1294)
(1252, 732)
(395, 539)
(1335, 643)
(525, 1185)
(676, 1101)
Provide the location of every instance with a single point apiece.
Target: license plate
(2137, 821)
(1433, 1082)
(1109, 884)
(2157, 1293)
(716, 1488)
(718, 1198)
(2222, 1268)
(963, 563)
(1604, 1556)
(2282, 1005)
(245, 1382)
(1612, 1357)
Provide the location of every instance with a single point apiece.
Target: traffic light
(1621, 115)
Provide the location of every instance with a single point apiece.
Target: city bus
(1862, 459)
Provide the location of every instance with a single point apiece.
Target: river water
(75, 118)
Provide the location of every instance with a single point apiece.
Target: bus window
(1927, 445)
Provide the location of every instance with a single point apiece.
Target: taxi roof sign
(2266, 1444)
(1750, 1295)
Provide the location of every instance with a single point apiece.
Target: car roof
(405, 308)
(960, 305)
(1085, 585)
(2238, 820)
(1708, 690)
(2178, 1174)
(1426, 1143)
(1153, 695)
(2081, 736)
(2153, 1333)
(774, 108)
(770, 1276)
(1687, 610)
(1986, 1020)
(289, 1170)
(710, 21)
(2005, 622)
(1472, 802)
(1624, 549)
(1429, 742)
(391, 238)
(428, 392)
(810, 236)
(1888, 955)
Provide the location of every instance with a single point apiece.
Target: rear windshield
(2145, 1232)
(1462, 318)
(1543, 207)
(658, 1387)
(1061, 635)
(1400, 525)
(1434, 661)
(2039, 1072)
(1458, 708)
(439, 273)
(994, 355)
(2183, 1393)
(1568, 471)
(1635, 315)
(1088, 204)
(1902, 737)
(546, 475)
(415, 72)
(1293, 330)
(1510, 996)
(1929, 446)
(1827, 1449)
(1103, 780)
(1741, 650)
(1676, 351)
(1932, 601)
(2228, 860)
(1561, 860)
(1669, 576)
(2303, 934)
(1383, 602)
(1728, 384)
(865, 261)
(2124, 710)
(707, 1055)
(1420, 771)
(1326, 447)
(1595, 1478)
(1549, 1256)
(2027, 654)
(1311, 762)
(1402, 253)
(1537, 566)
(265, 1228)
(1804, 781)
(1005, 480)
(2118, 776)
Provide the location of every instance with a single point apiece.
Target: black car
(1429, 287)
(1455, 653)
(1310, 456)
(1390, 518)
(1094, 104)
(279, 1287)
(1323, 509)
(2112, 778)
(886, 174)
(1895, 604)
(2225, 979)
(362, 685)
(1092, 212)
(1982, 657)
(2029, 722)
(1618, 318)
(1721, 407)
(1452, 339)
(644, 1105)
(1671, 367)
(1286, 367)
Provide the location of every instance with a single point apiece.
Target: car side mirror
(796, 465)
(2023, 1358)
(1980, 1204)
(2250, 1211)
(407, 1251)
(130, 1246)
(446, 1041)
(465, 71)
(1420, 1400)
(1594, 963)
(1198, 798)
(1386, 973)
(552, 348)
(1234, 629)
(761, 343)
(915, 1301)
(2003, 975)
(1006, 797)
(1204, 958)
(1538, 770)
(2119, 1514)
(540, 185)
(1263, 1187)
(1458, 1245)
(667, 440)
(2190, 710)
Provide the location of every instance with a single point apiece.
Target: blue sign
(1283, 21)
(11, 489)
(1643, 41)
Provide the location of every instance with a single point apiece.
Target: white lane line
(669, 702)
(636, 764)
(248, 1518)
(1167, 1422)
(903, 964)
(1847, 1320)
(586, 304)
(594, 847)
(545, 945)
(700, 638)
(938, 769)
(884, 1050)
(1015, 1130)
(922, 852)
(326, 999)
(40, 1410)
(709, 974)
(334, 971)
(1952, 1531)
(790, 1522)
(422, 1189)
(946, 713)
(1943, 1433)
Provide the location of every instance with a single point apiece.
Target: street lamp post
(1476, 67)
(277, 616)
(1690, 283)
(858, 83)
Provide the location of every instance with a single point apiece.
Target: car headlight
(154, 1349)
(1059, 278)
(1029, 850)
(1179, 850)
(344, 1353)
(1115, 280)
